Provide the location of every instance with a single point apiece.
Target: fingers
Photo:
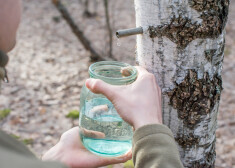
(127, 156)
(91, 134)
(70, 137)
(116, 160)
(100, 87)
(143, 74)
(141, 70)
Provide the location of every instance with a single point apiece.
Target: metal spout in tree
(129, 32)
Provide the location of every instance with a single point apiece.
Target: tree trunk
(109, 29)
(183, 45)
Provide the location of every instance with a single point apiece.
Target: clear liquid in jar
(117, 139)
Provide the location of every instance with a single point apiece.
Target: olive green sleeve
(154, 147)
(13, 154)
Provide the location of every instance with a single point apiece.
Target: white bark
(170, 64)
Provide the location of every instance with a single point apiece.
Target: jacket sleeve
(14, 154)
(154, 147)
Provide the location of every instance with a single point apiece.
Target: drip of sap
(118, 42)
(117, 134)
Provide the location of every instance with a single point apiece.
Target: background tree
(79, 33)
(183, 45)
(87, 11)
(109, 29)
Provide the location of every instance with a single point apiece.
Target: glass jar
(102, 130)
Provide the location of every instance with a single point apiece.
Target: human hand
(70, 151)
(138, 104)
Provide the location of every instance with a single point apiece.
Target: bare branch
(86, 12)
(77, 31)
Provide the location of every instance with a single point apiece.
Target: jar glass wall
(102, 130)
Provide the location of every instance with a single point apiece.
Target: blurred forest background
(49, 66)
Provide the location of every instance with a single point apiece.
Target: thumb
(100, 87)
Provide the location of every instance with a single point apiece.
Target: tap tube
(129, 32)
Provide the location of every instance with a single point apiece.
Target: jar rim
(124, 79)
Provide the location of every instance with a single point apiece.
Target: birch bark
(183, 46)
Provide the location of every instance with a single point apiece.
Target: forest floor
(49, 66)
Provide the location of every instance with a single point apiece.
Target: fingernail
(89, 82)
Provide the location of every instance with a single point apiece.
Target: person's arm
(10, 13)
(14, 154)
(69, 151)
(139, 104)
(154, 147)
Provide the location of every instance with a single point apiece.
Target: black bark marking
(187, 140)
(217, 8)
(181, 30)
(209, 54)
(195, 97)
